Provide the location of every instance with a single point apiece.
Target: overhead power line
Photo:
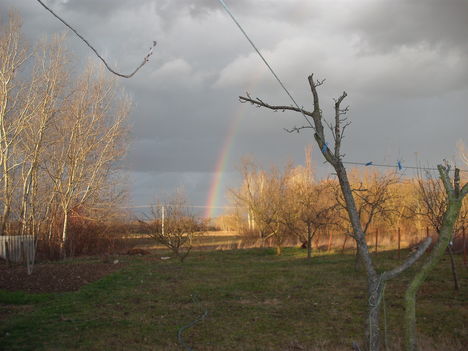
(265, 61)
(145, 59)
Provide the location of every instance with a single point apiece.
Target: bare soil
(54, 277)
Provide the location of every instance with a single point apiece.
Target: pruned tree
(454, 195)
(376, 202)
(174, 226)
(333, 155)
(375, 199)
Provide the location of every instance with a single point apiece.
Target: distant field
(225, 240)
(254, 300)
(209, 240)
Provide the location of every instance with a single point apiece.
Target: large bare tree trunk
(374, 282)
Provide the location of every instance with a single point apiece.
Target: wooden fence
(19, 248)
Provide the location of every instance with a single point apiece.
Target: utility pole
(162, 220)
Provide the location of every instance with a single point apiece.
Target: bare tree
(462, 153)
(60, 139)
(174, 226)
(264, 195)
(48, 79)
(374, 197)
(376, 203)
(15, 110)
(454, 201)
(431, 202)
(90, 140)
(333, 155)
(312, 208)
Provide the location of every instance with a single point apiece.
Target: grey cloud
(147, 187)
(293, 11)
(385, 25)
(101, 8)
(406, 75)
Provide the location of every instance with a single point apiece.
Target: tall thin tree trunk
(375, 297)
(64, 234)
(309, 241)
(278, 250)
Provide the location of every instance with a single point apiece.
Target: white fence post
(162, 220)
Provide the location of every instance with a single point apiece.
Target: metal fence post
(399, 242)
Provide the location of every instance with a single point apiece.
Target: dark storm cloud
(403, 64)
(385, 24)
(93, 7)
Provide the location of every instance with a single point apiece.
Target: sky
(403, 64)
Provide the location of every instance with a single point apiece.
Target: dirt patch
(49, 277)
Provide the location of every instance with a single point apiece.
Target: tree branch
(297, 129)
(338, 130)
(443, 171)
(258, 102)
(464, 190)
(409, 261)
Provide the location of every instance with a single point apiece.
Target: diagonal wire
(145, 59)
(265, 61)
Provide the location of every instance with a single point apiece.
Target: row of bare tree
(61, 138)
(276, 204)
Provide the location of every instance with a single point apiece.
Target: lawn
(254, 300)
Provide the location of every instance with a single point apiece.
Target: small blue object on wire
(399, 165)
(324, 147)
(368, 163)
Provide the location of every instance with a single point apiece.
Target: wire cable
(190, 325)
(145, 59)
(265, 61)
(398, 165)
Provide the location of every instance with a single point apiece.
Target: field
(253, 300)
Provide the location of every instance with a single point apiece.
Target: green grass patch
(255, 301)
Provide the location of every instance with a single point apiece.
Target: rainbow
(214, 192)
